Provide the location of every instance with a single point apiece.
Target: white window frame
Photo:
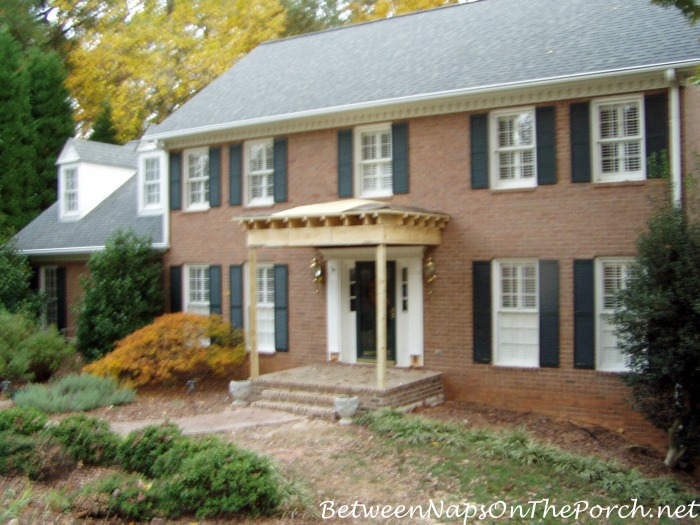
(74, 191)
(360, 164)
(157, 185)
(48, 285)
(266, 174)
(599, 142)
(265, 309)
(523, 309)
(603, 314)
(519, 180)
(201, 304)
(192, 179)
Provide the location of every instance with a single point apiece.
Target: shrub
(139, 451)
(127, 496)
(16, 294)
(22, 420)
(39, 456)
(169, 463)
(173, 347)
(28, 351)
(223, 480)
(74, 393)
(87, 439)
(124, 291)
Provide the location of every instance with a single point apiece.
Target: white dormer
(152, 163)
(88, 172)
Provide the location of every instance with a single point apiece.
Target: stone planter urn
(346, 407)
(240, 392)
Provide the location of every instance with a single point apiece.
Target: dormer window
(70, 191)
(150, 183)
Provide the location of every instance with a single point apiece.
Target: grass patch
(13, 501)
(74, 393)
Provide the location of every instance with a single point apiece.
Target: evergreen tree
(16, 294)
(53, 118)
(103, 130)
(124, 292)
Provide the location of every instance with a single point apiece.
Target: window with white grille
(260, 172)
(611, 277)
(70, 191)
(265, 276)
(513, 149)
(516, 313)
(197, 289)
(618, 128)
(151, 182)
(374, 160)
(49, 286)
(197, 179)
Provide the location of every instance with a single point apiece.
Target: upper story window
(260, 173)
(513, 149)
(70, 191)
(197, 289)
(374, 161)
(611, 277)
(151, 183)
(197, 179)
(618, 134)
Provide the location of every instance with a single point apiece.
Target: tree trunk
(675, 451)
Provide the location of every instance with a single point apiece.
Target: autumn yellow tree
(145, 58)
(365, 10)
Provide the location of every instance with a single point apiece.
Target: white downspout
(675, 137)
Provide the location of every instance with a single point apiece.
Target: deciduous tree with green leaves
(658, 327)
(123, 292)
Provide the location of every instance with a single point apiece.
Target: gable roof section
(47, 235)
(79, 150)
(459, 48)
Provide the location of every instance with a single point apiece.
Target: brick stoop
(311, 390)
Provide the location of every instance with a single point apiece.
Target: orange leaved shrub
(173, 347)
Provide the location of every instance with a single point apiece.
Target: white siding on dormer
(95, 184)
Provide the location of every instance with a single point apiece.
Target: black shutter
(580, 129)
(175, 181)
(546, 145)
(214, 177)
(235, 174)
(215, 289)
(281, 308)
(399, 146)
(236, 285)
(656, 124)
(479, 139)
(345, 183)
(481, 289)
(62, 299)
(549, 313)
(176, 289)
(584, 314)
(280, 167)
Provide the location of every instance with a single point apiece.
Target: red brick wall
(565, 221)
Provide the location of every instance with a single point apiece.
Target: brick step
(312, 411)
(260, 385)
(300, 397)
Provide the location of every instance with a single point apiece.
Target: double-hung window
(49, 286)
(197, 289)
(618, 132)
(70, 191)
(611, 278)
(151, 182)
(265, 286)
(514, 149)
(516, 313)
(197, 179)
(374, 161)
(260, 172)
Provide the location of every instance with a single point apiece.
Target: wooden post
(253, 313)
(381, 314)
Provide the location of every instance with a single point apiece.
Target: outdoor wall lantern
(430, 273)
(316, 272)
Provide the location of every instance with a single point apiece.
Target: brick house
(493, 153)
(101, 188)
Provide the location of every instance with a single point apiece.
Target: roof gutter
(82, 250)
(535, 83)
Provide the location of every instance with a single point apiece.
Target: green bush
(140, 450)
(22, 420)
(170, 462)
(223, 480)
(127, 496)
(39, 456)
(29, 351)
(74, 393)
(87, 439)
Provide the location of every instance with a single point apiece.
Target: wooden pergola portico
(344, 223)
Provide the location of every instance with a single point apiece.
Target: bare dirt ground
(343, 464)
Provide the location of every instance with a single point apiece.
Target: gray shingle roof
(105, 154)
(119, 210)
(461, 47)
